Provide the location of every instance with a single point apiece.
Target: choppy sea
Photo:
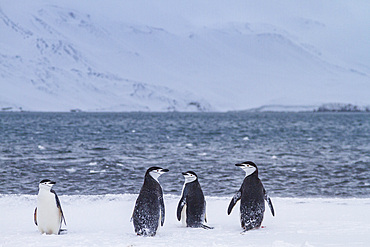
(298, 154)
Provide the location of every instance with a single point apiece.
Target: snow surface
(105, 221)
(192, 55)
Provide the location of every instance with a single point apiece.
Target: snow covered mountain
(182, 55)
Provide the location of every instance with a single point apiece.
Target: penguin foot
(201, 226)
(146, 234)
(206, 227)
(62, 231)
(246, 229)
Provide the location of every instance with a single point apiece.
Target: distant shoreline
(330, 107)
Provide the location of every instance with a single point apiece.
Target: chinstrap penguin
(48, 214)
(192, 205)
(251, 195)
(149, 209)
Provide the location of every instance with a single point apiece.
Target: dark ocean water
(298, 154)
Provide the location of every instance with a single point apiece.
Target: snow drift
(105, 221)
(182, 56)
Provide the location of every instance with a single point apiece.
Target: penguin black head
(249, 167)
(190, 176)
(155, 172)
(46, 184)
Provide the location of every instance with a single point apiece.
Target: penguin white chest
(48, 214)
(183, 211)
(183, 216)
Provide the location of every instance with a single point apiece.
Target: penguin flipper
(180, 206)
(205, 214)
(35, 216)
(162, 211)
(269, 202)
(60, 207)
(235, 199)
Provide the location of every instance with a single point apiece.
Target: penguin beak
(239, 164)
(52, 182)
(165, 170)
(184, 173)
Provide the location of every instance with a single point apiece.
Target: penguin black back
(193, 202)
(149, 209)
(252, 195)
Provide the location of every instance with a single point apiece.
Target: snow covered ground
(182, 55)
(105, 221)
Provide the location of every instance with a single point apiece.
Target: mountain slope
(193, 56)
